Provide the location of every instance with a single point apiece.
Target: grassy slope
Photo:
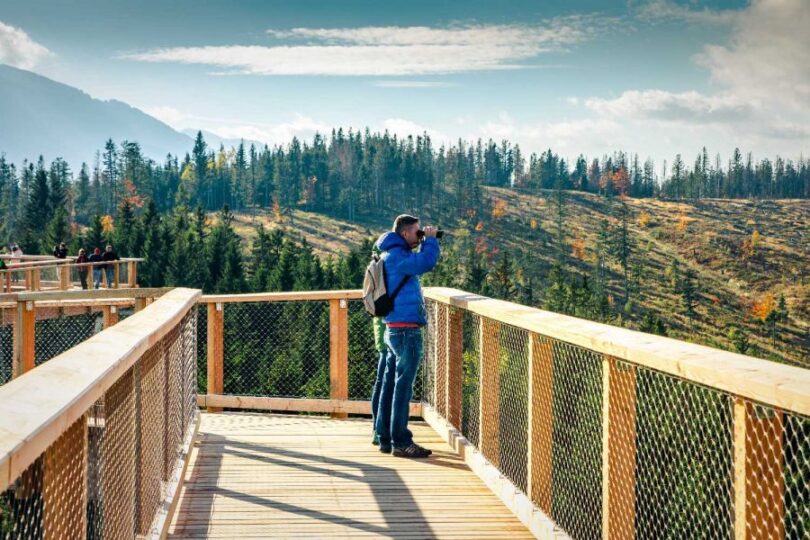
(709, 244)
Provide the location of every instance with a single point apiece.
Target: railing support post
(117, 274)
(541, 420)
(216, 350)
(618, 449)
(759, 482)
(140, 303)
(132, 274)
(24, 357)
(489, 412)
(455, 365)
(110, 315)
(339, 352)
(440, 352)
(64, 277)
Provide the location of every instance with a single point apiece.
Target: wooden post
(132, 274)
(117, 273)
(64, 277)
(64, 484)
(140, 303)
(110, 315)
(455, 361)
(440, 352)
(759, 482)
(37, 281)
(489, 412)
(8, 280)
(541, 420)
(216, 350)
(618, 449)
(339, 351)
(24, 357)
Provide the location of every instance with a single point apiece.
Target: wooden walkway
(285, 476)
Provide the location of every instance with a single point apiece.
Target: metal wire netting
(685, 461)
(57, 332)
(202, 349)
(107, 474)
(363, 356)
(277, 349)
(6, 343)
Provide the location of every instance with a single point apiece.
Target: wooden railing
(338, 404)
(23, 312)
(50, 273)
(694, 441)
(95, 441)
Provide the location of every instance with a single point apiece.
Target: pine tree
(501, 280)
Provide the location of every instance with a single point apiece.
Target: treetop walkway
(541, 424)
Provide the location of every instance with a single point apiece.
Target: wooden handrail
(350, 294)
(778, 385)
(37, 408)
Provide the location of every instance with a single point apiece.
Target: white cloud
(662, 105)
(411, 84)
(669, 10)
(389, 51)
(766, 60)
(403, 128)
(18, 49)
(168, 115)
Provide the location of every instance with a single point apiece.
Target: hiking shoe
(385, 449)
(412, 451)
(375, 440)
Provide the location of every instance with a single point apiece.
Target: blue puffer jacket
(400, 261)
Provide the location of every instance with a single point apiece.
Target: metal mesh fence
(107, 474)
(6, 343)
(277, 349)
(202, 348)
(57, 332)
(363, 356)
(570, 427)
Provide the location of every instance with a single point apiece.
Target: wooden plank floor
(285, 476)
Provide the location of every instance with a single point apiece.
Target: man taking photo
(403, 333)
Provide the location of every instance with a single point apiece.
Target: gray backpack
(376, 299)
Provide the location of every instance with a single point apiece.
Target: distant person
(403, 333)
(96, 259)
(60, 251)
(82, 270)
(16, 253)
(109, 269)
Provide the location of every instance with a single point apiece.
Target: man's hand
(430, 231)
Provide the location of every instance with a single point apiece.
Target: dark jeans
(384, 357)
(110, 271)
(96, 277)
(83, 277)
(397, 386)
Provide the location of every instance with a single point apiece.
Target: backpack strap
(399, 287)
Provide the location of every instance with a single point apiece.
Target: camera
(421, 234)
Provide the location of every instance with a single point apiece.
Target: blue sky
(657, 77)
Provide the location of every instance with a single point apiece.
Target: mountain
(214, 141)
(42, 116)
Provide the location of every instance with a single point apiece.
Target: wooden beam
(24, 358)
(489, 412)
(216, 351)
(339, 352)
(64, 485)
(778, 385)
(440, 354)
(117, 275)
(540, 421)
(353, 294)
(140, 303)
(263, 403)
(64, 277)
(110, 315)
(759, 481)
(618, 449)
(455, 365)
(132, 274)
